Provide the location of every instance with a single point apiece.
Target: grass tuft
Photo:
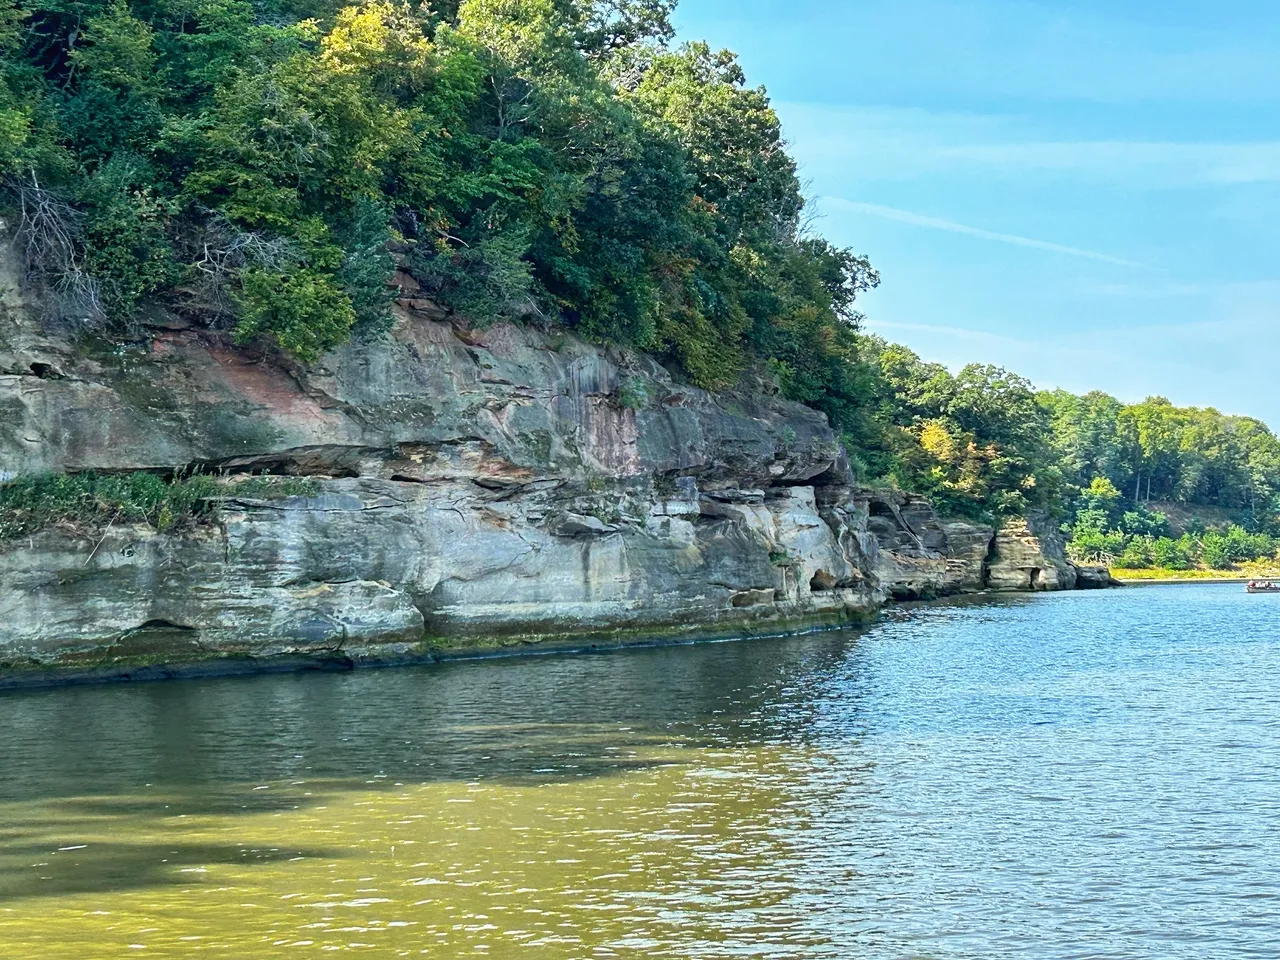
(89, 501)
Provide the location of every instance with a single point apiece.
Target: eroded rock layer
(473, 488)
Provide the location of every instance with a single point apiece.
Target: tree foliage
(984, 442)
(266, 166)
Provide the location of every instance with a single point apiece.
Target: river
(1076, 775)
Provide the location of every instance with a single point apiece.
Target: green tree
(1137, 554)
(1215, 551)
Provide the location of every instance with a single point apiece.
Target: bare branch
(49, 235)
(219, 252)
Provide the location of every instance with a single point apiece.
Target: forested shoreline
(984, 443)
(267, 168)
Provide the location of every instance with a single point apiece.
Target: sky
(1084, 191)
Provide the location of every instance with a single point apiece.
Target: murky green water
(1084, 775)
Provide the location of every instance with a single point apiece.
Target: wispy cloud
(900, 144)
(1162, 162)
(938, 223)
(1148, 291)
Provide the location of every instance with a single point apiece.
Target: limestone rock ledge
(475, 490)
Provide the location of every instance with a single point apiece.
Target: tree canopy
(984, 442)
(265, 166)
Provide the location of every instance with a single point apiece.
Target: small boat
(1262, 586)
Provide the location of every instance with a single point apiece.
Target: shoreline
(1140, 581)
(58, 676)
(55, 676)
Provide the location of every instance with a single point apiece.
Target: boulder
(1095, 578)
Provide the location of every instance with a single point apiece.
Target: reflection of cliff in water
(562, 716)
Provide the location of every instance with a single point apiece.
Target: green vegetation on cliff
(89, 502)
(548, 161)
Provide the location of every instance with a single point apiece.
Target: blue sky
(1086, 192)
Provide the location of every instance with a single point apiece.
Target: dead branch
(49, 235)
(219, 252)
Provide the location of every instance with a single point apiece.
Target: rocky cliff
(473, 488)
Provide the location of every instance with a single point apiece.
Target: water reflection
(1078, 775)
(510, 720)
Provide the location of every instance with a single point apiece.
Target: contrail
(937, 223)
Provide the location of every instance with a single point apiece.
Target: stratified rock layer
(474, 489)
(1030, 555)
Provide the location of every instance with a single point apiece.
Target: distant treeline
(269, 167)
(984, 442)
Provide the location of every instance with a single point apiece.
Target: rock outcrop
(1095, 578)
(474, 488)
(1030, 555)
(920, 556)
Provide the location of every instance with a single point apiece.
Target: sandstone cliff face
(475, 488)
(920, 556)
(1030, 555)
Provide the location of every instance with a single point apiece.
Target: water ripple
(1075, 776)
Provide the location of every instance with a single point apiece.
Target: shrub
(1173, 554)
(1137, 554)
(1100, 498)
(1144, 523)
(93, 501)
(126, 242)
(367, 267)
(489, 281)
(1215, 551)
(1094, 545)
(1241, 545)
(29, 504)
(305, 312)
(633, 393)
(1093, 520)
